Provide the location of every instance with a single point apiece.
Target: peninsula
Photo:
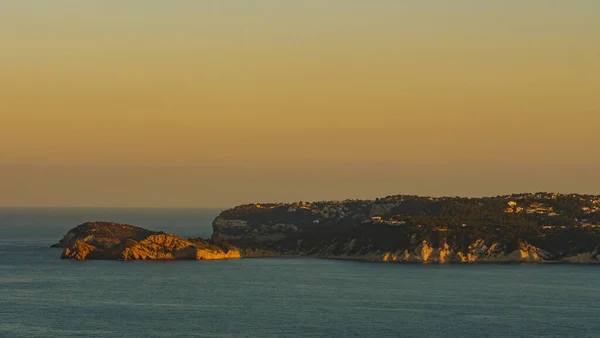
(518, 228)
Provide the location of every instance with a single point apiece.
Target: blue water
(43, 296)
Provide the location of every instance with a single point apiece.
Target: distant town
(389, 211)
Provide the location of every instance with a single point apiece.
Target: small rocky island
(104, 240)
(518, 228)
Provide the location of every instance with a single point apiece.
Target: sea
(44, 296)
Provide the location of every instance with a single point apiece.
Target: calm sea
(43, 296)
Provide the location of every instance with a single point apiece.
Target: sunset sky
(216, 103)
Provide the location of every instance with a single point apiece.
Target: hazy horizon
(224, 207)
(213, 104)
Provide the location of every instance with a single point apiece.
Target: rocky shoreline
(113, 241)
(519, 228)
(517, 257)
(523, 228)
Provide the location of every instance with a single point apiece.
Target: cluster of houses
(323, 210)
(540, 195)
(330, 210)
(542, 209)
(582, 224)
(268, 206)
(588, 210)
(533, 208)
(379, 220)
(293, 207)
(515, 204)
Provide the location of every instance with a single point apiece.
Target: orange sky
(217, 103)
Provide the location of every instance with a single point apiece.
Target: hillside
(540, 227)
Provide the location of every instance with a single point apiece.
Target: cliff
(519, 228)
(102, 240)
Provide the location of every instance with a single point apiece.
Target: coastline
(365, 259)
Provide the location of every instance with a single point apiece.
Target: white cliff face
(478, 252)
(423, 253)
(530, 253)
(583, 258)
(446, 254)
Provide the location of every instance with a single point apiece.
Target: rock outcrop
(101, 240)
(79, 251)
(518, 228)
(478, 252)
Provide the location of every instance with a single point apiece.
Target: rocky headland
(105, 240)
(518, 228)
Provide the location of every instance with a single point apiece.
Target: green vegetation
(562, 224)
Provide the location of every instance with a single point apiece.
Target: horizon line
(223, 207)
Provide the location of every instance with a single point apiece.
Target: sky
(148, 103)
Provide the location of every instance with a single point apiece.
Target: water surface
(42, 296)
